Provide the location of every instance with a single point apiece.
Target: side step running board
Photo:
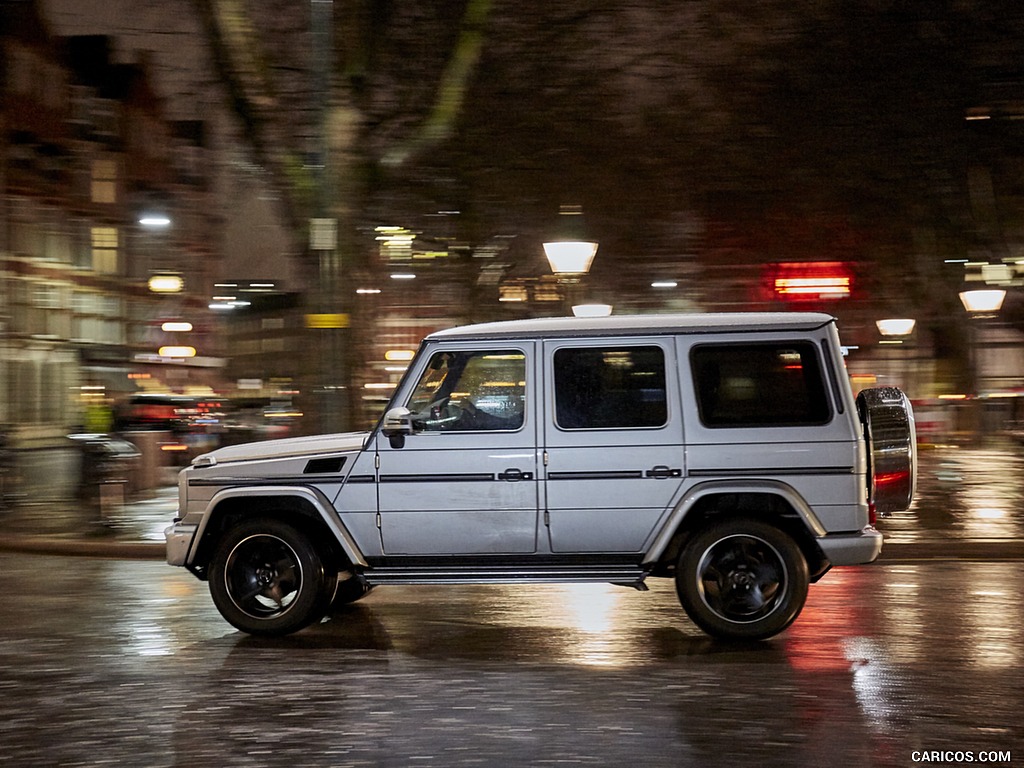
(624, 576)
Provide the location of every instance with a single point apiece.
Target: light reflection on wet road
(127, 663)
(970, 492)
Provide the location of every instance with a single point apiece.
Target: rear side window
(759, 385)
(610, 387)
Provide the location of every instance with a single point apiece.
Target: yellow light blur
(177, 351)
(393, 355)
(166, 284)
(176, 327)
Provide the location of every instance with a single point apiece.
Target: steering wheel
(443, 415)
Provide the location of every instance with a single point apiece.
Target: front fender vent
(330, 465)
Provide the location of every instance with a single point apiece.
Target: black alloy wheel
(742, 579)
(267, 578)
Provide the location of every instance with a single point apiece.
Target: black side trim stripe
(479, 477)
(617, 474)
(205, 482)
(754, 471)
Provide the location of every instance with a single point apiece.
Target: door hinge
(376, 461)
(547, 518)
(545, 458)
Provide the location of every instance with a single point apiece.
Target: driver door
(465, 482)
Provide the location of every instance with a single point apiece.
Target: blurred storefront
(85, 151)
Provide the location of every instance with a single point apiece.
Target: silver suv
(726, 451)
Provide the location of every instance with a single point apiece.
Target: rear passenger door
(613, 454)
(768, 408)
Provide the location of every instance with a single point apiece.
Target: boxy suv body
(726, 451)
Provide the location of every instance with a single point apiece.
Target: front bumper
(179, 541)
(852, 548)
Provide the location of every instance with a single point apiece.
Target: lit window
(104, 249)
(104, 181)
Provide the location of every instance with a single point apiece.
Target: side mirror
(397, 425)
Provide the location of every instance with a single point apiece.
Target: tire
(742, 579)
(267, 578)
(350, 590)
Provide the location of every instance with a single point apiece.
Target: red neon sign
(812, 280)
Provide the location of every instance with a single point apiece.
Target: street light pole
(329, 322)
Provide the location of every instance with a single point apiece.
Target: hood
(290, 446)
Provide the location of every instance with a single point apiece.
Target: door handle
(515, 475)
(661, 472)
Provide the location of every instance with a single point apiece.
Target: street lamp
(896, 326)
(983, 300)
(592, 310)
(570, 256)
(570, 253)
(980, 303)
(895, 331)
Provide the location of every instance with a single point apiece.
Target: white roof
(620, 325)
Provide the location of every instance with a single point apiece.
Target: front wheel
(267, 578)
(742, 579)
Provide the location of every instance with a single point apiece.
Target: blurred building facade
(85, 153)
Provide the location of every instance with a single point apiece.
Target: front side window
(471, 390)
(610, 387)
(759, 385)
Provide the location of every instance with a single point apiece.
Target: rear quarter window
(759, 385)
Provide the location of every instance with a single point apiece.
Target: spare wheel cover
(888, 420)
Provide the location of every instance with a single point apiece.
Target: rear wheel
(267, 578)
(742, 579)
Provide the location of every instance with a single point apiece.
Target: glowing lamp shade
(592, 310)
(176, 351)
(983, 300)
(896, 326)
(570, 256)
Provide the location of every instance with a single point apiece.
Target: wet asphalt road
(127, 663)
